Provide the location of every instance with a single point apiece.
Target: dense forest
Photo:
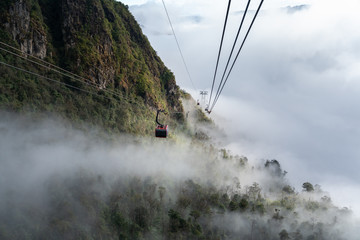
(79, 89)
(63, 183)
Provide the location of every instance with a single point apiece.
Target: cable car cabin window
(161, 131)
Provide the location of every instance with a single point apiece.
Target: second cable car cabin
(161, 131)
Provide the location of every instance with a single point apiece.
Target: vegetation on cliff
(122, 80)
(59, 182)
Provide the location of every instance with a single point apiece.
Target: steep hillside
(119, 83)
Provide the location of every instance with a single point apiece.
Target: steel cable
(237, 55)
(221, 43)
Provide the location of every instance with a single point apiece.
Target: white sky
(295, 89)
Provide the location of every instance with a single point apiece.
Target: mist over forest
(80, 86)
(58, 182)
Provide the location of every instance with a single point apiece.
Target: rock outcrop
(28, 32)
(96, 39)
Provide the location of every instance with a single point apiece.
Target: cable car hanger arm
(157, 117)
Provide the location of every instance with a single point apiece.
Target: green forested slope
(98, 40)
(59, 182)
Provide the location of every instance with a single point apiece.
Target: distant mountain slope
(122, 80)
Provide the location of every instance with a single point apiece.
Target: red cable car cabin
(161, 131)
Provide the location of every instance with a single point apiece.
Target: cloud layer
(294, 91)
(52, 174)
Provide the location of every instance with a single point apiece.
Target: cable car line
(43, 61)
(70, 74)
(232, 49)
(178, 45)
(51, 79)
(221, 42)
(161, 130)
(62, 83)
(70, 85)
(237, 55)
(52, 66)
(42, 65)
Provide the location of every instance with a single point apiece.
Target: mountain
(75, 76)
(110, 75)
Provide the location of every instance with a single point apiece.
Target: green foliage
(195, 214)
(176, 222)
(84, 206)
(274, 168)
(141, 217)
(288, 203)
(308, 187)
(284, 235)
(224, 153)
(254, 192)
(243, 204)
(312, 205)
(259, 207)
(233, 206)
(201, 117)
(104, 35)
(288, 189)
(4, 35)
(141, 86)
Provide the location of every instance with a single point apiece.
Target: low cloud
(294, 90)
(49, 167)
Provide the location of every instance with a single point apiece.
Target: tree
(176, 222)
(236, 187)
(274, 168)
(254, 191)
(141, 217)
(277, 215)
(288, 189)
(308, 187)
(284, 235)
(243, 204)
(296, 235)
(195, 214)
(326, 199)
(161, 191)
(233, 205)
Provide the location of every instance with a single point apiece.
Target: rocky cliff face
(28, 33)
(97, 39)
(76, 15)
